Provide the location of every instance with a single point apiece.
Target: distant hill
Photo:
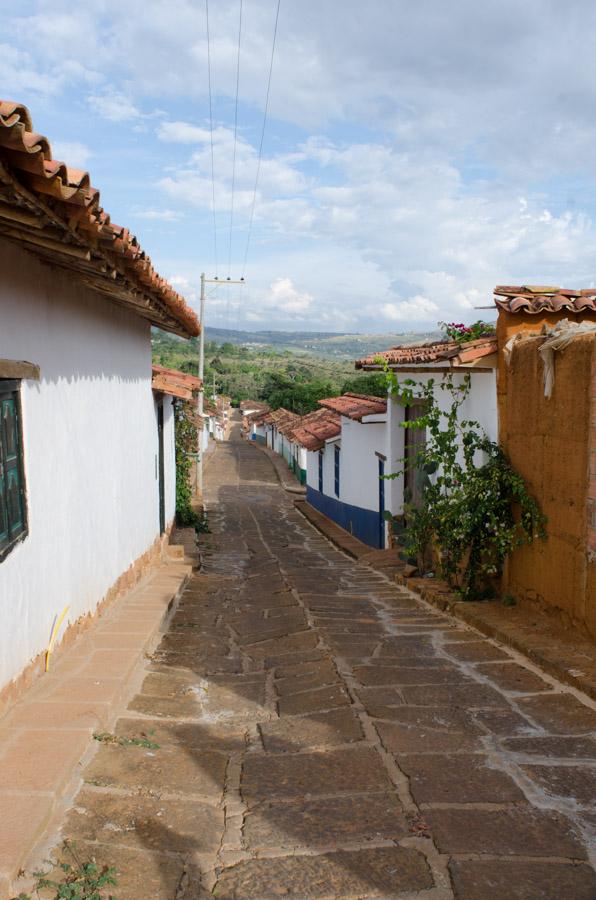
(293, 369)
(327, 344)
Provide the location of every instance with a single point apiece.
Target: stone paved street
(322, 734)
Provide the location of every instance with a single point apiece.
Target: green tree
(372, 383)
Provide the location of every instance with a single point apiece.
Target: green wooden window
(13, 511)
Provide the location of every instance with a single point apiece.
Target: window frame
(336, 470)
(320, 471)
(9, 386)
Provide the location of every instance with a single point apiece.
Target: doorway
(381, 504)
(415, 442)
(161, 467)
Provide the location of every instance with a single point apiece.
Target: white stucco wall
(90, 445)
(302, 456)
(480, 406)
(359, 465)
(312, 469)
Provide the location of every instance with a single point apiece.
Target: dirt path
(321, 734)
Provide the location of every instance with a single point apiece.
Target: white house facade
(87, 462)
(475, 360)
(344, 476)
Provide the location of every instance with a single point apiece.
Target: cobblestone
(323, 734)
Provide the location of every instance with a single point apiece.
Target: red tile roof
(52, 210)
(317, 427)
(439, 351)
(277, 415)
(286, 422)
(255, 413)
(536, 299)
(356, 406)
(173, 382)
(254, 406)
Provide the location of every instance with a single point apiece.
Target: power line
(254, 199)
(235, 136)
(211, 135)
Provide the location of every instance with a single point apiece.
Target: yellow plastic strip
(54, 635)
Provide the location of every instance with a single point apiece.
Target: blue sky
(415, 154)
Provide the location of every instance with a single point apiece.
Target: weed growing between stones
(106, 737)
(79, 880)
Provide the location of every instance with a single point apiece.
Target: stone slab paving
(321, 733)
(47, 735)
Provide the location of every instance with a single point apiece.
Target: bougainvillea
(475, 508)
(457, 331)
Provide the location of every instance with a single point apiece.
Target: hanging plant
(475, 509)
(186, 439)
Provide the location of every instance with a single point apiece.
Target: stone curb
(565, 654)
(286, 477)
(340, 538)
(51, 713)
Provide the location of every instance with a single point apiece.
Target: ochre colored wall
(510, 324)
(552, 444)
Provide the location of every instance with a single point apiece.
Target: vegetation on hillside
(279, 377)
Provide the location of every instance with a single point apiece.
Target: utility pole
(205, 281)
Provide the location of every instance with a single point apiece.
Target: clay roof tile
(436, 352)
(534, 299)
(355, 406)
(64, 200)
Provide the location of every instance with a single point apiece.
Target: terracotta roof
(317, 427)
(355, 406)
(285, 424)
(53, 211)
(173, 382)
(277, 415)
(254, 406)
(259, 417)
(536, 299)
(256, 413)
(439, 351)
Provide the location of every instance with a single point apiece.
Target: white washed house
(478, 359)
(87, 475)
(253, 412)
(273, 421)
(344, 467)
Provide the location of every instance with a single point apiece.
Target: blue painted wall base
(362, 523)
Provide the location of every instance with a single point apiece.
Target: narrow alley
(308, 729)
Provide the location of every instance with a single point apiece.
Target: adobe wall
(510, 324)
(552, 443)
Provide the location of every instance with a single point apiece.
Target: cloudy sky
(415, 155)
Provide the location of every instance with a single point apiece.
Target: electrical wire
(235, 140)
(211, 135)
(254, 199)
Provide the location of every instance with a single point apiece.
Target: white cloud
(410, 161)
(417, 309)
(158, 215)
(73, 153)
(285, 297)
(183, 133)
(20, 77)
(114, 106)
